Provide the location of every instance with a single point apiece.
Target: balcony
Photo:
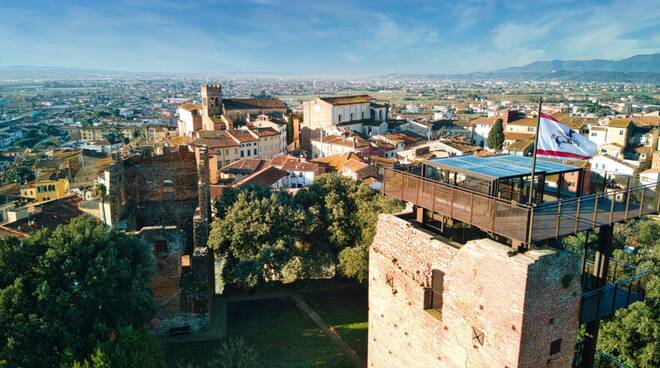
(521, 221)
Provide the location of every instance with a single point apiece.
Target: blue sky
(321, 37)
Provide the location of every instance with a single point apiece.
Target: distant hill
(649, 63)
(635, 69)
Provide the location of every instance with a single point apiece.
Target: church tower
(212, 99)
(212, 108)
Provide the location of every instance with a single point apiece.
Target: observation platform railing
(520, 221)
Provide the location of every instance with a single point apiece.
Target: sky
(321, 37)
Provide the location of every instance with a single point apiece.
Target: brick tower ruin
(437, 303)
(476, 274)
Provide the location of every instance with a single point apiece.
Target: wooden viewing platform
(521, 222)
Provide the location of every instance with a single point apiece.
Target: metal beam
(601, 265)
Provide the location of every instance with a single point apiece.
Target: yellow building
(618, 131)
(46, 189)
(92, 133)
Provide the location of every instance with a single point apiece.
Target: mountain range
(647, 63)
(639, 68)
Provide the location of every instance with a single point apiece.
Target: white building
(339, 114)
(613, 165)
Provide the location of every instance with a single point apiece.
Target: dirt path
(336, 339)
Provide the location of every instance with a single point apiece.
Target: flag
(556, 140)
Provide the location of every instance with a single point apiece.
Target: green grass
(347, 312)
(280, 333)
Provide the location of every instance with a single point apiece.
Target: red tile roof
(266, 177)
(348, 100)
(253, 103)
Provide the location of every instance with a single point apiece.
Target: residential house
(237, 170)
(481, 126)
(100, 146)
(227, 146)
(42, 215)
(521, 147)
(650, 176)
(613, 165)
(618, 131)
(46, 189)
(301, 173)
(339, 144)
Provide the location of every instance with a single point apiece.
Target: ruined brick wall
(507, 297)
(167, 274)
(154, 190)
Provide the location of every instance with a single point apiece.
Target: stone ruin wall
(155, 190)
(518, 301)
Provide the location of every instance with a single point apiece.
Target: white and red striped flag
(556, 140)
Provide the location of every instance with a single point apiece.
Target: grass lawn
(347, 312)
(280, 333)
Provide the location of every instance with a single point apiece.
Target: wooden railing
(519, 221)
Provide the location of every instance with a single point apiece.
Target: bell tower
(212, 99)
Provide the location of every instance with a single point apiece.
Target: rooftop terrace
(480, 192)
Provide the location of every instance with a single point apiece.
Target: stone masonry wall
(508, 297)
(167, 273)
(154, 190)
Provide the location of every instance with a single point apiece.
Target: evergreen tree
(66, 290)
(496, 136)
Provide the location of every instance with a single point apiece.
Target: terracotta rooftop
(353, 141)
(266, 177)
(525, 122)
(619, 123)
(408, 138)
(218, 139)
(336, 162)
(297, 165)
(49, 214)
(511, 136)
(189, 106)
(348, 100)
(574, 122)
(483, 120)
(242, 135)
(265, 132)
(647, 121)
(355, 165)
(253, 103)
(519, 145)
(244, 166)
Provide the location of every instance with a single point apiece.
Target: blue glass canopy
(499, 167)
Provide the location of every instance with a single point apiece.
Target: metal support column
(599, 275)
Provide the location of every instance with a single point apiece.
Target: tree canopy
(64, 291)
(633, 334)
(496, 136)
(263, 235)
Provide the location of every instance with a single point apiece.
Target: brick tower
(436, 303)
(212, 99)
(212, 108)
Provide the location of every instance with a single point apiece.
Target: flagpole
(536, 142)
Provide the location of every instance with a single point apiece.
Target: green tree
(261, 234)
(496, 136)
(257, 236)
(633, 334)
(128, 348)
(18, 175)
(68, 289)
